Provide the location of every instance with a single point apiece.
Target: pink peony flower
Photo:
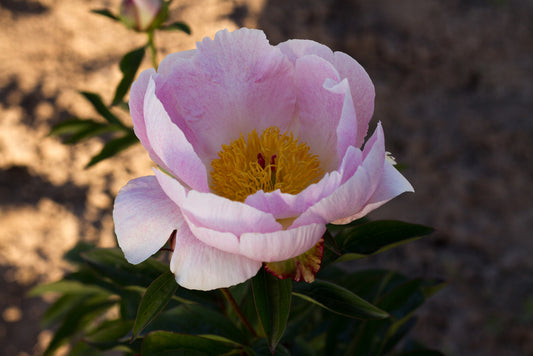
(260, 147)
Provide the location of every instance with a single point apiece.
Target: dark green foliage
(129, 65)
(367, 312)
(177, 26)
(272, 297)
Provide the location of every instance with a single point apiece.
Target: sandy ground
(454, 93)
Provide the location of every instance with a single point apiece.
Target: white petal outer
(137, 94)
(144, 218)
(172, 188)
(392, 184)
(361, 86)
(199, 266)
(281, 245)
(171, 145)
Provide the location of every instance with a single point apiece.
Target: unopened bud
(141, 15)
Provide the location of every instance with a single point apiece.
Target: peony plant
(266, 170)
(260, 147)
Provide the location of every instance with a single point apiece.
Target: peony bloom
(260, 147)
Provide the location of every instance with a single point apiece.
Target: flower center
(268, 162)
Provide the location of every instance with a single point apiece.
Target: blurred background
(454, 85)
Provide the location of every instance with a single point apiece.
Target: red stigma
(261, 160)
(273, 163)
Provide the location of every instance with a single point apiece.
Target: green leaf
(261, 348)
(378, 236)
(106, 13)
(164, 343)
(82, 349)
(370, 284)
(404, 299)
(101, 108)
(109, 333)
(154, 301)
(300, 319)
(340, 330)
(62, 307)
(177, 26)
(77, 320)
(130, 298)
(75, 130)
(431, 287)
(336, 228)
(331, 249)
(90, 277)
(113, 147)
(196, 320)
(74, 254)
(397, 332)
(338, 300)
(272, 297)
(302, 347)
(129, 65)
(110, 262)
(63, 286)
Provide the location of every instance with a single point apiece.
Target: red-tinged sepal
(300, 268)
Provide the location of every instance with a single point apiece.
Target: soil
(454, 94)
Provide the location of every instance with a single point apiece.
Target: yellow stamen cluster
(268, 162)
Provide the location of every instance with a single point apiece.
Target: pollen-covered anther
(242, 168)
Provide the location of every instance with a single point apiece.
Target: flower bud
(142, 15)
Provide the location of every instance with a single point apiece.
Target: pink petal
(361, 86)
(281, 205)
(392, 184)
(281, 245)
(234, 84)
(170, 144)
(144, 218)
(295, 49)
(174, 59)
(346, 130)
(215, 220)
(362, 90)
(319, 109)
(224, 241)
(274, 246)
(221, 214)
(352, 196)
(199, 266)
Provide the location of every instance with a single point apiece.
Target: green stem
(240, 315)
(153, 50)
